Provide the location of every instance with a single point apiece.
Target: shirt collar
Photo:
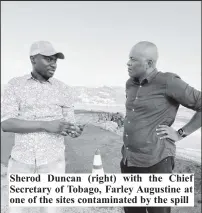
(31, 77)
(148, 78)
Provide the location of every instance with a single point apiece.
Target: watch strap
(181, 133)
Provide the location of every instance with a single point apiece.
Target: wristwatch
(181, 133)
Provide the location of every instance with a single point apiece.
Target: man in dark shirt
(153, 99)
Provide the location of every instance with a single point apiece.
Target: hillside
(97, 95)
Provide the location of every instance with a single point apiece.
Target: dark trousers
(165, 166)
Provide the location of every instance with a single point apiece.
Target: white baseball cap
(44, 48)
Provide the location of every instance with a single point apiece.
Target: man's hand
(77, 132)
(168, 132)
(59, 126)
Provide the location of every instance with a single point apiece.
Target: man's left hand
(168, 133)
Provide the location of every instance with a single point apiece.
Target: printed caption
(103, 190)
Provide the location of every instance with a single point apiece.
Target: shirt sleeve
(68, 107)
(9, 103)
(183, 93)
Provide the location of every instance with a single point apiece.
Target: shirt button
(133, 110)
(126, 147)
(129, 122)
(126, 135)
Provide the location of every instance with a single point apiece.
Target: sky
(97, 36)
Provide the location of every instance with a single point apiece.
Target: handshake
(64, 128)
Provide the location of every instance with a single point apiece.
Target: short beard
(39, 73)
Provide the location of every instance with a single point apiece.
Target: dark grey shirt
(153, 102)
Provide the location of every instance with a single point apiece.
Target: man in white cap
(39, 110)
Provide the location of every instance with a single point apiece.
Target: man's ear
(150, 63)
(32, 59)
